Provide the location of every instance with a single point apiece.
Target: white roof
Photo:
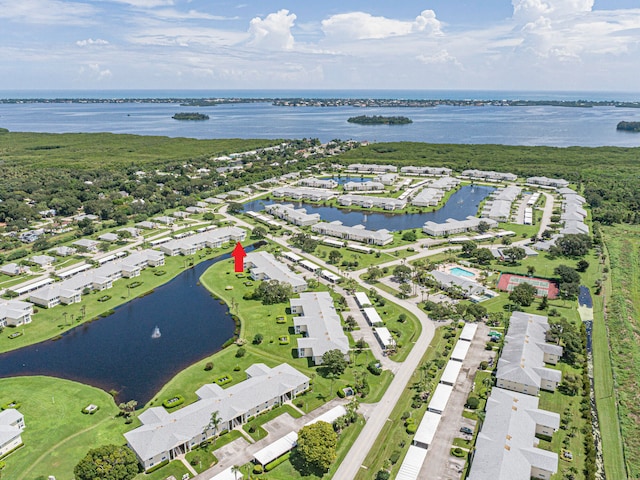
(451, 372)
(412, 463)
(372, 314)
(309, 265)
(329, 416)
(227, 474)
(460, 350)
(427, 428)
(469, 331)
(362, 299)
(277, 448)
(292, 256)
(384, 335)
(32, 286)
(440, 397)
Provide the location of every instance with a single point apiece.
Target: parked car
(466, 430)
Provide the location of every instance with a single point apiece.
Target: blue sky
(302, 44)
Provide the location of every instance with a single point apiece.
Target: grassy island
(190, 116)
(379, 120)
(629, 126)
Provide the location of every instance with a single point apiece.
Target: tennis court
(508, 281)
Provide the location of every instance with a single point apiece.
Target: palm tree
(214, 423)
(236, 470)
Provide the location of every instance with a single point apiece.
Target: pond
(460, 205)
(119, 353)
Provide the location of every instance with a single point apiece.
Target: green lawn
(57, 433)
(48, 323)
(364, 260)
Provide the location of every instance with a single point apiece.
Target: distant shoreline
(326, 102)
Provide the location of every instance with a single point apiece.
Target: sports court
(507, 281)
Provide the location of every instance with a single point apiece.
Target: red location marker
(238, 254)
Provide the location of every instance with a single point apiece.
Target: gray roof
(324, 331)
(7, 431)
(356, 233)
(447, 279)
(265, 264)
(161, 431)
(523, 353)
(505, 446)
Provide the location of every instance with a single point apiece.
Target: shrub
(341, 393)
(395, 456)
(208, 366)
(457, 452)
(484, 365)
(223, 379)
(240, 352)
(373, 368)
(270, 466)
(257, 469)
(472, 403)
(173, 401)
(383, 475)
(158, 466)
(412, 428)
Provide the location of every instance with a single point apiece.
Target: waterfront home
(507, 447)
(164, 436)
(87, 244)
(498, 206)
(300, 193)
(14, 313)
(445, 183)
(314, 182)
(366, 201)
(428, 197)
(386, 179)
(412, 170)
(215, 238)
(363, 186)
(548, 182)
(521, 365)
(489, 175)
(292, 215)
(452, 226)
(320, 323)
(264, 266)
(357, 233)
(11, 427)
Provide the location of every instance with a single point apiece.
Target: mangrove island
(379, 120)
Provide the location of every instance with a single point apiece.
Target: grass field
(622, 319)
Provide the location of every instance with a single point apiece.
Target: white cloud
(361, 26)
(274, 31)
(440, 57)
(169, 13)
(94, 71)
(91, 41)
(48, 12)
(146, 3)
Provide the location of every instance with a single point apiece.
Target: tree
(374, 273)
(523, 294)
(317, 445)
(566, 274)
(582, 265)
(483, 227)
(214, 424)
(409, 236)
(576, 245)
(109, 462)
(257, 338)
(402, 273)
(350, 323)
(273, 291)
(333, 362)
(236, 470)
(514, 254)
(234, 208)
(405, 290)
(128, 408)
(469, 247)
(259, 232)
(335, 256)
(531, 270)
(483, 256)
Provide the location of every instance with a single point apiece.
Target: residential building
(43, 261)
(498, 206)
(313, 194)
(292, 215)
(11, 427)
(386, 178)
(548, 182)
(320, 323)
(363, 186)
(14, 313)
(507, 447)
(428, 197)
(521, 366)
(314, 182)
(370, 202)
(147, 225)
(467, 288)
(489, 175)
(371, 168)
(445, 183)
(264, 266)
(12, 269)
(109, 237)
(164, 436)
(411, 170)
(452, 226)
(190, 244)
(63, 251)
(164, 220)
(357, 233)
(87, 244)
(134, 232)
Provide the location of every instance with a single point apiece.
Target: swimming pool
(461, 272)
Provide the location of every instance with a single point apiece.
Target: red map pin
(238, 254)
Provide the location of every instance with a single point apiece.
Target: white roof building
(264, 266)
(548, 182)
(363, 186)
(318, 182)
(372, 316)
(63, 251)
(489, 175)
(108, 237)
(300, 193)
(320, 323)
(412, 463)
(440, 398)
(362, 299)
(371, 168)
(42, 260)
(11, 427)
(468, 331)
(428, 197)
(276, 449)
(451, 372)
(290, 214)
(521, 365)
(460, 351)
(366, 201)
(12, 269)
(357, 233)
(427, 430)
(506, 447)
(384, 337)
(164, 436)
(87, 243)
(208, 239)
(14, 313)
(411, 170)
(452, 226)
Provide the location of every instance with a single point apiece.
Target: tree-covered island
(190, 116)
(629, 126)
(379, 120)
